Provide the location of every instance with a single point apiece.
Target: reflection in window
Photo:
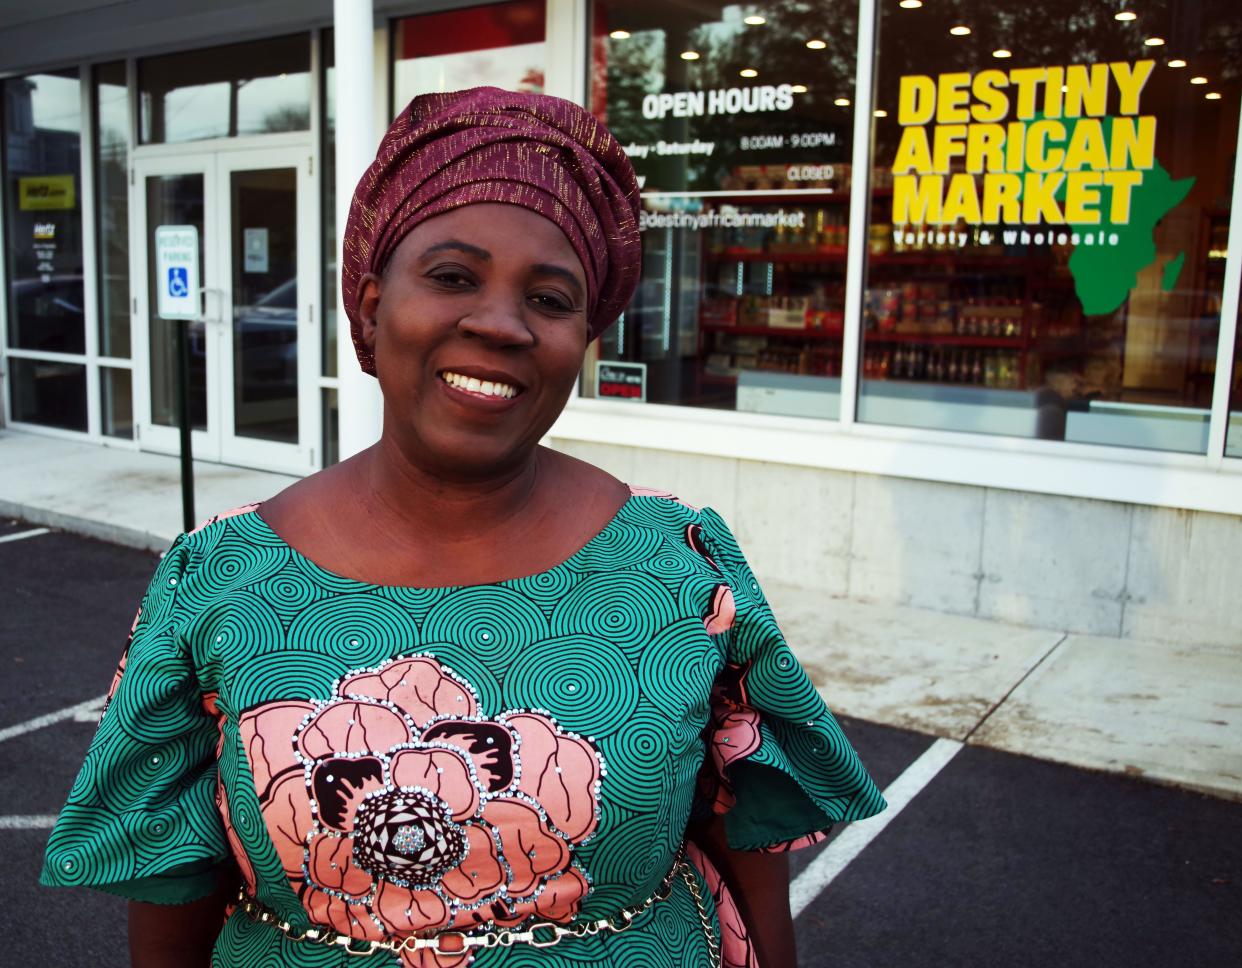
(1048, 217)
(49, 393)
(499, 45)
(738, 121)
(42, 155)
(116, 398)
(259, 87)
(1233, 435)
(112, 206)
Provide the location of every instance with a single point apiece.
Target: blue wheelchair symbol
(178, 282)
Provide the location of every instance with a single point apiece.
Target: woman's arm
(179, 935)
(760, 887)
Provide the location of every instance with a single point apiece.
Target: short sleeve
(141, 818)
(778, 767)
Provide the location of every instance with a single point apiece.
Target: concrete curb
(87, 527)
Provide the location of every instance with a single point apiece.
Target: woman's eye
(552, 302)
(451, 278)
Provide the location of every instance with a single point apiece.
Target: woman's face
(478, 326)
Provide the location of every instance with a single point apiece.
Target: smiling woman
(461, 700)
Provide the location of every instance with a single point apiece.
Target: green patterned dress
(389, 761)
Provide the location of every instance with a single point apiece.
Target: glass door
(251, 392)
(267, 393)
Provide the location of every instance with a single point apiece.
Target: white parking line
(82, 709)
(832, 860)
(37, 821)
(32, 533)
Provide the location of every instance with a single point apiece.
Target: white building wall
(1071, 564)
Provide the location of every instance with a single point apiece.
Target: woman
(458, 700)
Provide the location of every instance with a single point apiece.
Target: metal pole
(183, 421)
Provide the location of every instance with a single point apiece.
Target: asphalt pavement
(990, 859)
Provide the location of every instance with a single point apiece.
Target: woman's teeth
(475, 385)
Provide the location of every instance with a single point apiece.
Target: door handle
(203, 292)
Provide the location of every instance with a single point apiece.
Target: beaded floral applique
(396, 808)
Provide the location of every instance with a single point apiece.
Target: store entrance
(251, 391)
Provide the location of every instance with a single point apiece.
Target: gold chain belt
(542, 934)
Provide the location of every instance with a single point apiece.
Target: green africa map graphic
(1104, 275)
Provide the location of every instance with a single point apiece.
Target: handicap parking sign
(178, 282)
(176, 261)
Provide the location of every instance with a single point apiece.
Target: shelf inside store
(938, 259)
(948, 339)
(829, 333)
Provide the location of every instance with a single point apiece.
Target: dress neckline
(339, 579)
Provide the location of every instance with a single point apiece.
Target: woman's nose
(497, 321)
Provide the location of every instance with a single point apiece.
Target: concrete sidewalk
(1170, 713)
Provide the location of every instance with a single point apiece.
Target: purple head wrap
(487, 145)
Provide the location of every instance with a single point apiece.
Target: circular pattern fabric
(389, 762)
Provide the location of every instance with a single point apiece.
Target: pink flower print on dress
(397, 809)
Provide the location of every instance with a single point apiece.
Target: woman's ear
(368, 307)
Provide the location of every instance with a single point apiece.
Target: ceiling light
(748, 72)
(755, 20)
(842, 102)
(881, 113)
(1125, 15)
(798, 89)
(1177, 62)
(1212, 96)
(1154, 42)
(910, 4)
(961, 30)
(816, 44)
(1198, 80)
(620, 35)
(1002, 53)
(689, 55)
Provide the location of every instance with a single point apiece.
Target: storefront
(985, 246)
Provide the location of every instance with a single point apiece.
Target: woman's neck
(402, 497)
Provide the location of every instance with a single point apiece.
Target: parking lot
(985, 859)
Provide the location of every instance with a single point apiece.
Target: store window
(738, 120)
(259, 87)
(116, 396)
(43, 215)
(1233, 435)
(1049, 205)
(111, 108)
(48, 392)
(498, 45)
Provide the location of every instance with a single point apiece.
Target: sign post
(177, 288)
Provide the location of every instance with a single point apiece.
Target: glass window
(258, 87)
(328, 207)
(47, 392)
(42, 157)
(1049, 200)
(116, 394)
(331, 417)
(738, 119)
(111, 99)
(1233, 435)
(498, 44)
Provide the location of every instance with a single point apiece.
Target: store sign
(621, 381)
(176, 269)
(1031, 157)
(37, 193)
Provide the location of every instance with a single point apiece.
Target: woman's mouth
(476, 385)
